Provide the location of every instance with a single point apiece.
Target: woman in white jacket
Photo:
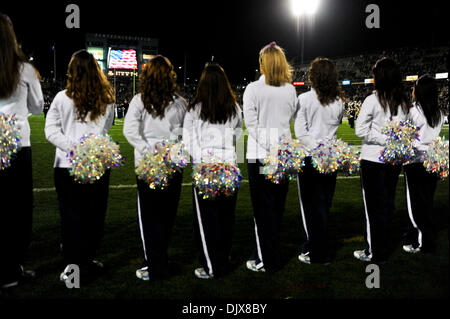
(20, 94)
(211, 128)
(379, 179)
(420, 184)
(269, 108)
(155, 114)
(85, 107)
(319, 115)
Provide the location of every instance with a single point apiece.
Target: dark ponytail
(389, 86)
(426, 96)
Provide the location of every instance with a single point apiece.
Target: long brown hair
(214, 93)
(11, 58)
(389, 86)
(324, 79)
(274, 66)
(87, 86)
(426, 95)
(158, 83)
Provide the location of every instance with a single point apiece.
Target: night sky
(232, 31)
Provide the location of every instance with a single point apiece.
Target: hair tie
(272, 44)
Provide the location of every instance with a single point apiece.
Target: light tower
(301, 9)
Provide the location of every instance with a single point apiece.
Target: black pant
(379, 182)
(214, 221)
(351, 122)
(157, 210)
(420, 188)
(16, 214)
(82, 208)
(316, 193)
(268, 201)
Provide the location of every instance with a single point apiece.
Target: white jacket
(426, 133)
(63, 130)
(203, 139)
(315, 121)
(369, 123)
(268, 112)
(142, 130)
(26, 99)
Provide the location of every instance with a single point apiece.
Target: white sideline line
(120, 186)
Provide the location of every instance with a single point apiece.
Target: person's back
(419, 181)
(62, 118)
(269, 107)
(269, 103)
(319, 116)
(211, 127)
(322, 120)
(379, 179)
(26, 98)
(20, 95)
(157, 112)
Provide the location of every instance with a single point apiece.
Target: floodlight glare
(300, 7)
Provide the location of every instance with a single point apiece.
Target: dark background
(232, 31)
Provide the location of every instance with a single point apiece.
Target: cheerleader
(269, 107)
(84, 107)
(20, 94)
(421, 185)
(378, 179)
(155, 114)
(211, 127)
(319, 116)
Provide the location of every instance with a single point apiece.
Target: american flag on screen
(123, 59)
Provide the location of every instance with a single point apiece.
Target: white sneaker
(304, 258)
(251, 264)
(9, 285)
(143, 273)
(361, 255)
(63, 276)
(410, 249)
(202, 274)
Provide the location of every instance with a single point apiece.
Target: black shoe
(93, 269)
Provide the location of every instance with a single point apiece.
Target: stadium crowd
(413, 61)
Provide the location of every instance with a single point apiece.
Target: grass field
(404, 276)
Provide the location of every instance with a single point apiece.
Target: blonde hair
(274, 66)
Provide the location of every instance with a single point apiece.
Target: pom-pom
(399, 147)
(160, 162)
(436, 159)
(92, 156)
(350, 162)
(9, 139)
(216, 178)
(284, 161)
(334, 154)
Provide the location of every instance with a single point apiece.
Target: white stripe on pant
(410, 212)
(258, 246)
(141, 227)
(301, 209)
(202, 235)
(369, 240)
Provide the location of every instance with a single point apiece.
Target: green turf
(404, 276)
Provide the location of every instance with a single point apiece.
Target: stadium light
(301, 7)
